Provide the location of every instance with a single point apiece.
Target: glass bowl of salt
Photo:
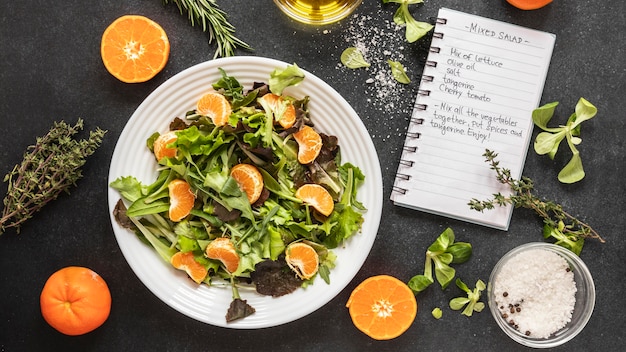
(541, 295)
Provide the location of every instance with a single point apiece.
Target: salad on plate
(248, 191)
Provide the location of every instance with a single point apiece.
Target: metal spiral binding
(410, 148)
(435, 49)
(430, 63)
(427, 78)
(399, 189)
(417, 120)
(413, 134)
(423, 92)
(441, 21)
(408, 163)
(438, 35)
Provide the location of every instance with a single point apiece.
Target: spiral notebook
(481, 81)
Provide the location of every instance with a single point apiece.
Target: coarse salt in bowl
(541, 295)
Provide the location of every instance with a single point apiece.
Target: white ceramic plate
(330, 113)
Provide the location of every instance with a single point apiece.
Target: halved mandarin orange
(215, 106)
(185, 261)
(302, 259)
(317, 197)
(382, 307)
(223, 249)
(249, 179)
(309, 144)
(284, 111)
(160, 145)
(181, 199)
(134, 48)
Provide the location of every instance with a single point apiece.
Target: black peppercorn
(504, 294)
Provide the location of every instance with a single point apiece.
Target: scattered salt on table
(535, 292)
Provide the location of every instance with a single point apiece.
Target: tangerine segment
(185, 261)
(309, 144)
(75, 300)
(284, 111)
(215, 106)
(181, 199)
(382, 307)
(134, 48)
(223, 249)
(316, 196)
(160, 145)
(249, 180)
(302, 259)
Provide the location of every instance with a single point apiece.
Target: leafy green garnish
(443, 252)
(566, 229)
(402, 17)
(437, 313)
(214, 21)
(398, 72)
(353, 58)
(280, 79)
(471, 302)
(548, 142)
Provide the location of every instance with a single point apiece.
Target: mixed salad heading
(271, 237)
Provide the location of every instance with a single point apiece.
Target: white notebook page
(481, 82)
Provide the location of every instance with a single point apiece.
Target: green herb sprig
(214, 21)
(443, 252)
(567, 230)
(548, 142)
(353, 58)
(50, 166)
(402, 17)
(471, 302)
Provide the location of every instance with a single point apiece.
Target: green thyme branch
(552, 214)
(214, 21)
(49, 167)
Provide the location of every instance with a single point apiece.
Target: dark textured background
(50, 69)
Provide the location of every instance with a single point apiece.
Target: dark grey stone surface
(50, 69)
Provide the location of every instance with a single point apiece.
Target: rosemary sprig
(214, 21)
(568, 231)
(49, 167)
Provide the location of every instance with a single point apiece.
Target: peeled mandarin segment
(75, 300)
(160, 146)
(181, 199)
(185, 261)
(215, 106)
(223, 249)
(134, 48)
(382, 307)
(316, 196)
(284, 111)
(302, 259)
(309, 144)
(249, 179)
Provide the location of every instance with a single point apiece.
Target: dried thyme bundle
(49, 167)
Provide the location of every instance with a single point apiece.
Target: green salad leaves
(548, 142)
(414, 29)
(260, 232)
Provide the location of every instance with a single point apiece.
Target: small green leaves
(280, 79)
(402, 17)
(437, 313)
(440, 255)
(398, 72)
(471, 302)
(548, 142)
(353, 58)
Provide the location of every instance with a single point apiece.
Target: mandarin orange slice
(302, 259)
(382, 307)
(181, 199)
(185, 261)
(284, 111)
(134, 48)
(309, 144)
(160, 145)
(249, 180)
(317, 197)
(215, 106)
(223, 249)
